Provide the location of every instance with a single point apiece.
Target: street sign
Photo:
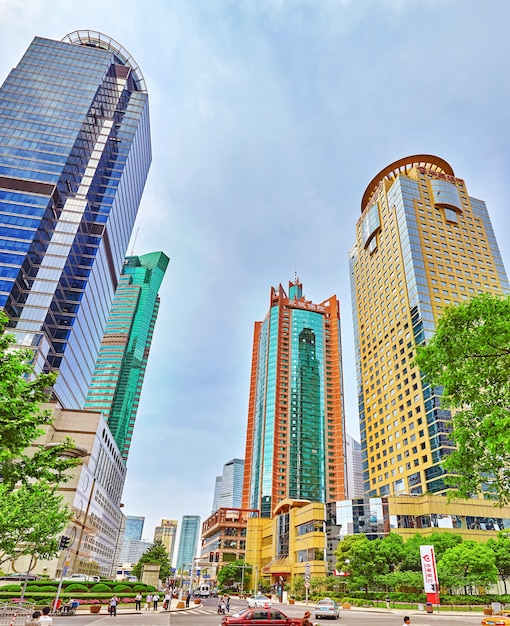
(307, 585)
(307, 578)
(307, 569)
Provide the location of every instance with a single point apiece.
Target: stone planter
(197, 601)
(487, 611)
(291, 600)
(346, 605)
(95, 608)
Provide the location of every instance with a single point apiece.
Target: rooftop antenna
(134, 241)
(296, 279)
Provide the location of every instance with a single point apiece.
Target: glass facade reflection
(188, 541)
(120, 367)
(74, 156)
(295, 435)
(434, 247)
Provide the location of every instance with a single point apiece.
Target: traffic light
(211, 557)
(64, 542)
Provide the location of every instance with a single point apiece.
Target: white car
(259, 602)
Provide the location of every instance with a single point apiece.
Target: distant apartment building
(133, 529)
(354, 467)
(133, 551)
(188, 541)
(228, 490)
(224, 535)
(166, 533)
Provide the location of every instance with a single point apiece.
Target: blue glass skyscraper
(188, 541)
(75, 152)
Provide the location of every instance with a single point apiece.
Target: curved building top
(95, 39)
(402, 166)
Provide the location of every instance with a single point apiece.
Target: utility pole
(65, 542)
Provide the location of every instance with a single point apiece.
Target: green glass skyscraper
(122, 361)
(295, 432)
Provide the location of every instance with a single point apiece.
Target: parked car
(259, 616)
(78, 577)
(259, 602)
(21, 576)
(327, 608)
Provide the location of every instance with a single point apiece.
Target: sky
(269, 119)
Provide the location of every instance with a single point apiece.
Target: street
(206, 615)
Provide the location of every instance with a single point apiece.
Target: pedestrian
(407, 621)
(167, 600)
(149, 601)
(138, 602)
(155, 600)
(45, 617)
(227, 603)
(112, 606)
(188, 595)
(35, 619)
(388, 602)
(305, 621)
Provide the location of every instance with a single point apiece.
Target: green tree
(392, 551)
(30, 519)
(467, 564)
(31, 512)
(411, 560)
(155, 554)
(501, 549)
(362, 559)
(469, 357)
(232, 573)
(442, 542)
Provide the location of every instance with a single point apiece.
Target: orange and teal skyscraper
(422, 244)
(295, 434)
(120, 368)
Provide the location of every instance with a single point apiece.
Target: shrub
(122, 588)
(139, 587)
(13, 588)
(101, 587)
(76, 587)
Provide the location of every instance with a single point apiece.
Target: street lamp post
(307, 569)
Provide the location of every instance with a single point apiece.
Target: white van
(202, 591)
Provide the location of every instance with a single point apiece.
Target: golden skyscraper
(422, 243)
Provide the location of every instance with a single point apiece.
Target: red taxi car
(260, 616)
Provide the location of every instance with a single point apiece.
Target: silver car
(259, 602)
(327, 608)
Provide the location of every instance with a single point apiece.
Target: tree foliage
(362, 559)
(501, 549)
(30, 519)
(393, 564)
(467, 564)
(31, 512)
(232, 573)
(155, 554)
(469, 357)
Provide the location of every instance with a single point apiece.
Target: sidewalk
(396, 611)
(84, 608)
